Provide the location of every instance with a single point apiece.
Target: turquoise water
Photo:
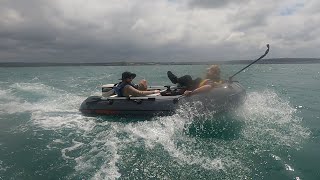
(275, 134)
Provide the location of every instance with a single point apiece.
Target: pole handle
(267, 51)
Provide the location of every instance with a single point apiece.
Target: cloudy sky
(157, 30)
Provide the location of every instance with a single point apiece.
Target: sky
(158, 30)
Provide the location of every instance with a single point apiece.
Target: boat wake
(195, 142)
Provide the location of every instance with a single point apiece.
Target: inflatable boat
(223, 97)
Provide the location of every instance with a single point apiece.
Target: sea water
(275, 134)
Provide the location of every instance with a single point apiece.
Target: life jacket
(207, 81)
(119, 88)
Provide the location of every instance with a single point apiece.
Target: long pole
(267, 51)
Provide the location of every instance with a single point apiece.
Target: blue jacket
(119, 88)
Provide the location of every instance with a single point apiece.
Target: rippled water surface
(275, 134)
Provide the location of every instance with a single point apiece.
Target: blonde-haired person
(212, 79)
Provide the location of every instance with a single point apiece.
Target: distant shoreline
(264, 61)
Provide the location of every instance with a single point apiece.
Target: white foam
(2, 167)
(288, 167)
(104, 148)
(76, 145)
(59, 141)
(37, 88)
(271, 121)
(54, 143)
(167, 131)
(285, 165)
(276, 157)
(55, 100)
(14, 107)
(3, 93)
(109, 169)
(8, 103)
(59, 109)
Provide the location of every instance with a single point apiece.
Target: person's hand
(156, 91)
(144, 82)
(187, 93)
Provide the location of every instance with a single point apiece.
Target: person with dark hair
(198, 85)
(127, 88)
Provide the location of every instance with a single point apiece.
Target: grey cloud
(214, 3)
(66, 31)
(243, 21)
(37, 36)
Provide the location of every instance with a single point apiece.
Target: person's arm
(129, 90)
(201, 89)
(142, 86)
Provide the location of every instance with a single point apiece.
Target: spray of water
(193, 138)
(272, 120)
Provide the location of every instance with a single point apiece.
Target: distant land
(124, 63)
